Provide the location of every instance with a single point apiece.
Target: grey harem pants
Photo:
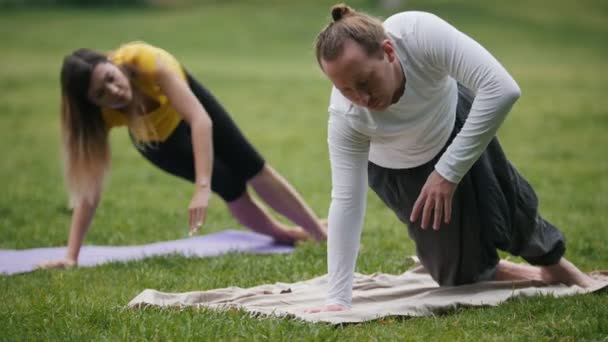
(493, 208)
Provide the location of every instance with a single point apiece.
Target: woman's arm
(82, 215)
(186, 104)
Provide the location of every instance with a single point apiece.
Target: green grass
(257, 59)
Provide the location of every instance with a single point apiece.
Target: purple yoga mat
(20, 261)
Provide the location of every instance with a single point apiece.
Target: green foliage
(257, 58)
(16, 4)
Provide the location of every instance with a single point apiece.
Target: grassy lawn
(257, 58)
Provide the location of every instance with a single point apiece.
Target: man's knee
(452, 273)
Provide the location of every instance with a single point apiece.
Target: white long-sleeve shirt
(434, 56)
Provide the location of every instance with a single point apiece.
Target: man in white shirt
(414, 111)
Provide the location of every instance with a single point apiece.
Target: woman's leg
(175, 157)
(283, 198)
(246, 165)
(252, 215)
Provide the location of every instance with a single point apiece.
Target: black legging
(235, 160)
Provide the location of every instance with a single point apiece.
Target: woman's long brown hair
(85, 136)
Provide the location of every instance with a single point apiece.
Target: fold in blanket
(413, 293)
(19, 261)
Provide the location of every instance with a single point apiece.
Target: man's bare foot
(566, 273)
(507, 270)
(563, 272)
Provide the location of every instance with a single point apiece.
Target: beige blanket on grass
(413, 293)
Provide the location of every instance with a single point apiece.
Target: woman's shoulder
(142, 56)
(132, 50)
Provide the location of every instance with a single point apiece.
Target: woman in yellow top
(177, 125)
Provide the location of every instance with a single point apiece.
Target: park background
(257, 58)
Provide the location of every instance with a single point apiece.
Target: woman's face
(110, 87)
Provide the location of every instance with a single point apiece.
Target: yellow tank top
(143, 57)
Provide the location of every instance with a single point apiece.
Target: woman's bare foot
(323, 236)
(321, 233)
(290, 236)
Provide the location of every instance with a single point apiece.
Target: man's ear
(389, 50)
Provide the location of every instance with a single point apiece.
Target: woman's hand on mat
(326, 308)
(434, 201)
(61, 263)
(198, 209)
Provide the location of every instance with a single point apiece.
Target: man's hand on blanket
(61, 263)
(435, 200)
(326, 308)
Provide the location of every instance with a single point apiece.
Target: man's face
(367, 81)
